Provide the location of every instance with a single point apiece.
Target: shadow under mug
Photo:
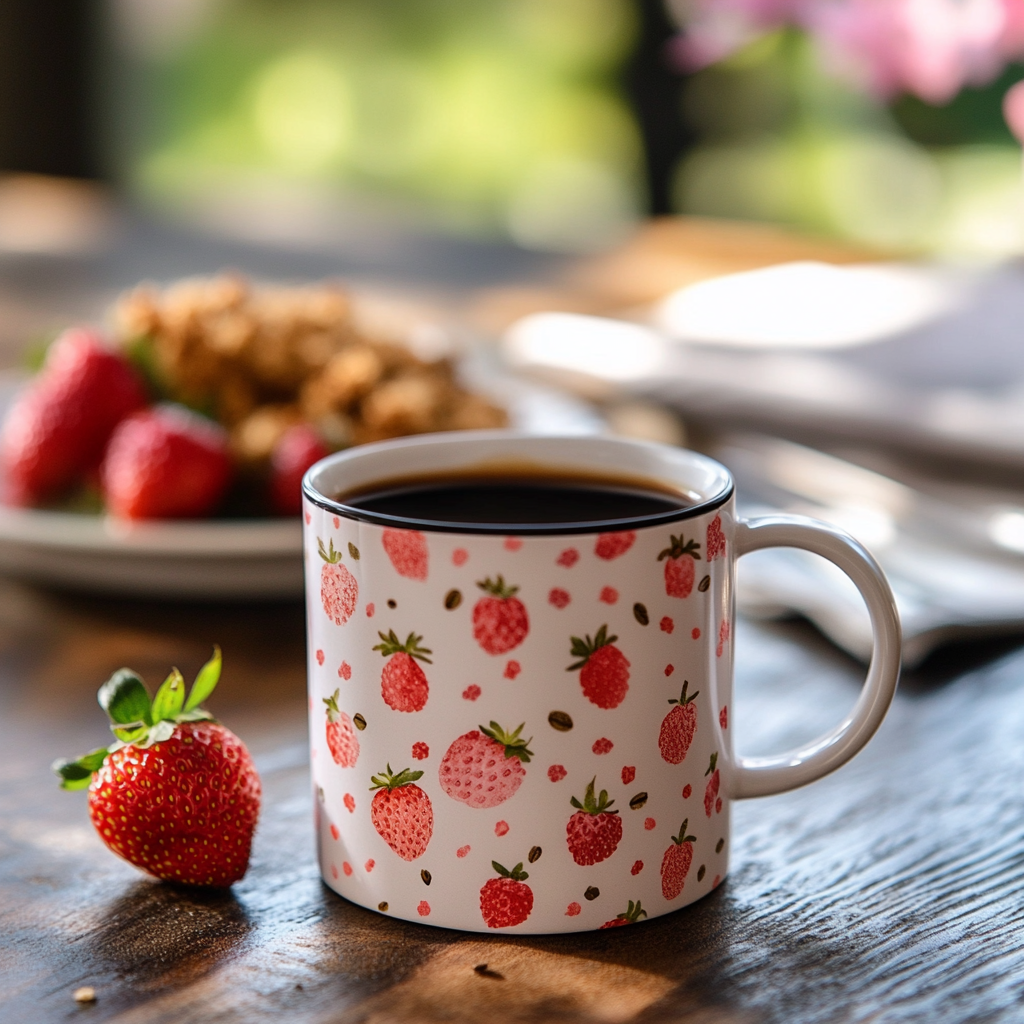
(529, 727)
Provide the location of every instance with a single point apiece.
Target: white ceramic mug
(530, 728)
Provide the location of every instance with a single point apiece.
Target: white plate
(211, 559)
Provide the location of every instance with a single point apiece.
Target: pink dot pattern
(420, 751)
(345, 670)
(347, 868)
(666, 624)
(512, 669)
(628, 774)
(423, 909)
(602, 746)
(459, 556)
(319, 657)
(471, 692)
(573, 909)
(723, 717)
(609, 595)
(569, 557)
(687, 791)
(669, 669)
(637, 867)
(501, 828)
(350, 803)
(513, 543)
(462, 851)
(370, 865)
(695, 633)
(556, 773)
(559, 597)
(649, 823)
(370, 610)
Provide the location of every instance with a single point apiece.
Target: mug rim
(699, 508)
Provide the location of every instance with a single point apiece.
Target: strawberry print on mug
(531, 730)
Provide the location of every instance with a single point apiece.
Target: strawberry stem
(517, 874)
(497, 588)
(329, 555)
(392, 645)
(583, 649)
(683, 837)
(333, 711)
(514, 745)
(633, 913)
(683, 699)
(594, 804)
(711, 766)
(677, 549)
(390, 780)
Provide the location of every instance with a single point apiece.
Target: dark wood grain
(889, 892)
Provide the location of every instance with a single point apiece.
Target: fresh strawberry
(177, 795)
(604, 670)
(678, 727)
(401, 812)
(500, 621)
(612, 545)
(633, 914)
(59, 426)
(593, 832)
(508, 900)
(298, 448)
(341, 734)
(407, 550)
(166, 463)
(716, 539)
(680, 567)
(711, 793)
(339, 590)
(676, 863)
(402, 683)
(484, 768)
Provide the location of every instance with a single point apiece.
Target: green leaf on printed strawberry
(683, 837)
(497, 588)
(683, 699)
(677, 548)
(394, 780)
(517, 874)
(594, 804)
(392, 645)
(632, 914)
(583, 649)
(514, 744)
(329, 555)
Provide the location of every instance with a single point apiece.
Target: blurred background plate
(248, 560)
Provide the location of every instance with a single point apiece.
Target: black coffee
(515, 500)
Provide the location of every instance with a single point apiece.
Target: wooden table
(889, 892)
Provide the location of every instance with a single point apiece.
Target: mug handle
(762, 776)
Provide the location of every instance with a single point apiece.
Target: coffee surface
(521, 500)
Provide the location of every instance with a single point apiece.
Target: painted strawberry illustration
(401, 812)
(676, 863)
(506, 900)
(407, 550)
(711, 793)
(604, 670)
(500, 621)
(716, 539)
(339, 590)
(485, 768)
(402, 683)
(633, 914)
(341, 734)
(593, 832)
(680, 566)
(678, 727)
(612, 545)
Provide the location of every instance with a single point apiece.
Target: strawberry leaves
(514, 744)
(136, 720)
(594, 804)
(583, 649)
(392, 645)
(517, 874)
(206, 681)
(394, 780)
